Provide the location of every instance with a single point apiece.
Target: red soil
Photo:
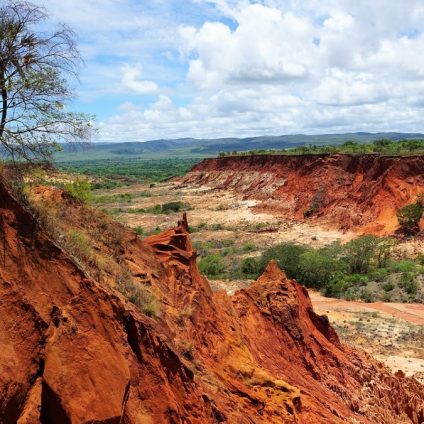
(75, 351)
(361, 193)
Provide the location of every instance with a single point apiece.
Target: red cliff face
(75, 351)
(361, 192)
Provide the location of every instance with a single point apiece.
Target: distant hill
(191, 147)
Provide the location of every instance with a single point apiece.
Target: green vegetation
(361, 269)
(409, 216)
(38, 69)
(381, 146)
(120, 171)
(212, 265)
(118, 198)
(80, 189)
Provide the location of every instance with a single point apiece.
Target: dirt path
(410, 312)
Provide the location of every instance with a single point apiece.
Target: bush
(389, 286)
(409, 283)
(173, 207)
(336, 288)
(78, 245)
(409, 216)
(80, 189)
(136, 294)
(139, 231)
(317, 269)
(359, 253)
(212, 265)
(248, 247)
(250, 267)
(287, 256)
(367, 296)
(402, 266)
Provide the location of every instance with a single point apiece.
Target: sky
(159, 69)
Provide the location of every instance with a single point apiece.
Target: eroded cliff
(74, 350)
(357, 192)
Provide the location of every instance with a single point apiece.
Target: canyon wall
(350, 192)
(74, 350)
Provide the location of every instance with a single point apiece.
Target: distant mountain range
(191, 147)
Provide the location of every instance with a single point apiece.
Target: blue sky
(195, 68)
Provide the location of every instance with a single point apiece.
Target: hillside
(348, 192)
(199, 148)
(75, 350)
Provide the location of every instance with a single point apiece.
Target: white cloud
(240, 67)
(131, 80)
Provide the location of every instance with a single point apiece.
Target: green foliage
(389, 286)
(409, 216)
(347, 270)
(36, 67)
(367, 296)
(359, 253)
(317, 268)
(287, 256)
(212, 265)
(129, 170)
(382, 146)
(173, 207)
(248, 247)
(139, 231)
(80, 189)
(166, 208)
(249, 267)
(401, 266)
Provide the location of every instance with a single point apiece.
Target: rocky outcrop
(75, 351)
(357, 192)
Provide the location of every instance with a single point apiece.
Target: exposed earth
(393, 333)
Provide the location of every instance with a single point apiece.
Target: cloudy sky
(197, 68)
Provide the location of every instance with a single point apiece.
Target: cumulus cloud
(245, 67)
(131, 80)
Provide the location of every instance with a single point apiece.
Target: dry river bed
(393, 333)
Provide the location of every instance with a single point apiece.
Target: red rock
(357, 192)
(74, 350)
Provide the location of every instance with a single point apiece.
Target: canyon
(75, 350)
(359, 193)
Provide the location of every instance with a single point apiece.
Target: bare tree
(36, 69)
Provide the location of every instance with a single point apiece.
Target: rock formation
(357, 192)
(74, 350)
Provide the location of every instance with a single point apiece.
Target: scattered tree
(35, 73)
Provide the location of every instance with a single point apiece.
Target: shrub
(402, 266)
(139, 230)
(80, 189)
(317, 269)
(248, 247)
(409, 216)
(287, 256)
(389, 286)
(336, 288)
(250, 267)
(359, 253)
(136, 294)
(367, 296)
(78, 245)
(408, 283)
(212, 265)
(173, 207)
